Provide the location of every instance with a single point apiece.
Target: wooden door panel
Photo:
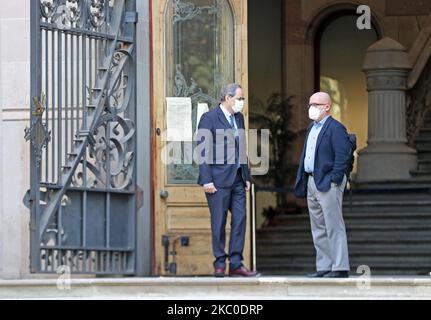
(183, 210)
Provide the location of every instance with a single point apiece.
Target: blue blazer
(220, 172)
(331, 159)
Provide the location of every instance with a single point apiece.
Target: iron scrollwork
(183, 89)
(187, 172)
(48, 8)
(111, 161)
(186, 10)
(75, 7)
(97, 12)
(38, 133)
(86, 14)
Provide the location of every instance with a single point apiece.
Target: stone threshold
(207, 288)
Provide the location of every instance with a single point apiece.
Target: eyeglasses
(240, 99)
(316, 104)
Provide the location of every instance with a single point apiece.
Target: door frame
(158, 95)
(144, 232)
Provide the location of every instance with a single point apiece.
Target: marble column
(387, 156)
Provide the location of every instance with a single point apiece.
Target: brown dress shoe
(219, 272)
(243, 272)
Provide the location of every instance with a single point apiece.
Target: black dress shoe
(318, 274)
(337, 274)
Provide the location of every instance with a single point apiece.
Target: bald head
(320, 98)
(323, 101)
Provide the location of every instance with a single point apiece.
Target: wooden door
(198, 45)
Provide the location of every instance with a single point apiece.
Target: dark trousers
(234, 200)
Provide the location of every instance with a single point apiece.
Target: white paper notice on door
(202, 108)
(179, 119)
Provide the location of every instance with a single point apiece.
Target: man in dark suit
(225, 176)
(321, 179)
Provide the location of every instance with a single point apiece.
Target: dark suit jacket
(331, 159)
(219, 170)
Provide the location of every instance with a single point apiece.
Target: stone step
(369, 203)
(422, 173)
(347, 208)
(304, 270)
(364, 197)
(271, 268)
(421, 138)
(371, 261)
(361, 216)
(375, 250)
(424, 155)
(422, 144)
(268, 267)
(377, 240)
(384, 206)
(388, 229)
(424, 149)
(210, 288)
(352, 224)
(424, 134)
(414, 183)
(424, 164)
(366, 236)
(357, 227)
(353, 231)
(356, 248)
(427, 121)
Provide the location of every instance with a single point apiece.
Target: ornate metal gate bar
(82, 133)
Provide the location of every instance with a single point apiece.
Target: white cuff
(209, 185)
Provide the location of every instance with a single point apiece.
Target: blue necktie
(232, 124)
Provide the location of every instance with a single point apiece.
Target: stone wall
(14, 152)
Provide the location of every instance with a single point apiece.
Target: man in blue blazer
(225, 176)
(321, 178)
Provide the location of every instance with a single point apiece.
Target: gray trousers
(327, 226)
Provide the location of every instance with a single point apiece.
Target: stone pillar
(387, 156)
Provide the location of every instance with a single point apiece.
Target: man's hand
(247, 186)
(210, 188)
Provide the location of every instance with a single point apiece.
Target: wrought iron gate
(82, 134)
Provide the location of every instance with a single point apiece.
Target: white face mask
(239, 106)
(314, 113)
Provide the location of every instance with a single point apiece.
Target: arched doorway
(198, 46)
(339, 52)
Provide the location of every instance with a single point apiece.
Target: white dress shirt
(310, 153)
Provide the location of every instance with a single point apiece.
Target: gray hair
(229, 90)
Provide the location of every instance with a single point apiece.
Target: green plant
(277, 117)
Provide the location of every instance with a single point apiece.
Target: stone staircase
(423, 146)
(388, 230)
